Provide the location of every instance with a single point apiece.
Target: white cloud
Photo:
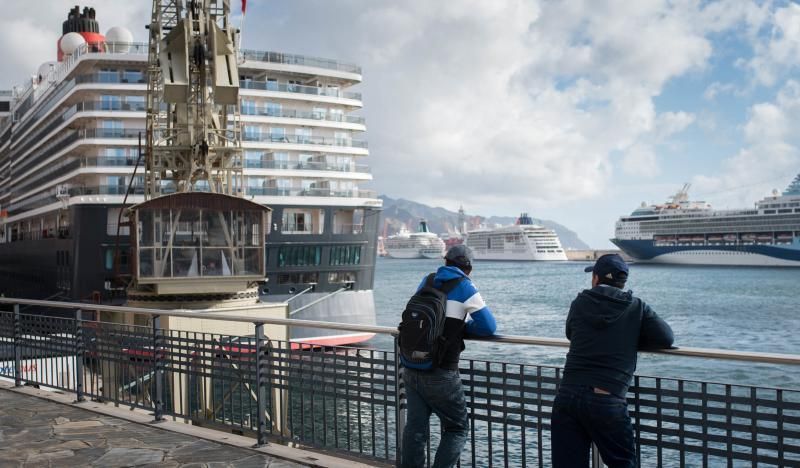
(777, 52)
(30, 30)
(770, 158)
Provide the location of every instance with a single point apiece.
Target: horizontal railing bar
(214, 314)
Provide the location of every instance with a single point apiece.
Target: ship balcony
(293, 63)
(306, 143)
(302, 92)
(255, 114)
(311, 192)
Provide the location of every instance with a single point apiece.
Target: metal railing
(304, 166)
(293, 59)
(352, 399)
(311, 192)
(298, 88)
(250, 108)
(303, 140)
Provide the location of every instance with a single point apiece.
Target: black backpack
(421, 341)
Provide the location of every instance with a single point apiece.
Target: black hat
(610, 266)
(460, 255)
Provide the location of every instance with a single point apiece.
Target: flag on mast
(244, 6)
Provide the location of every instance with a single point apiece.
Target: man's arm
(568, 327)
(480, 321)
(655, 333)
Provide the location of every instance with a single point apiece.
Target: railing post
(261, 385)
(158, 370)
(17, 347)
(400, 406)
(79, 356)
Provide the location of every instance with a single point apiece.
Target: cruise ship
(523, 241)
(420, 244)
(70, 161)
(682, 231)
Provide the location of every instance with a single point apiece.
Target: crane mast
(193, 121)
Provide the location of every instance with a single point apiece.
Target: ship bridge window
(299, 278)
(303, 221)
(348, 221)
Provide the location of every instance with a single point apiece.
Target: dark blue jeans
(580, 417)
(438, 391)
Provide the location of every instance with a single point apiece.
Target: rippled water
(753, 309)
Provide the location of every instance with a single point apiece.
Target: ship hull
(403, 253)
(520, 256)
(645, 251)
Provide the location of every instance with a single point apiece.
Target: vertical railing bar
(158, 372)
(386, 406)
(302, 390)
(371, 398)
(261, 385)
(335, 385)
(242, 366)
(399, 392)
(539, 416)
(17, 347)
(779, 416)
(728, 421)
(359, 402)
(659, 426)
(704, 390)
(472, 410)
(522, 427)
(489, 388)
(347, 396)
(681, 424)
(505, 414)
(638, 406)
(754, 425)
(313, 397)
(324, 364)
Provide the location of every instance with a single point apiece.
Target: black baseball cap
(460, 254)
(610, 266)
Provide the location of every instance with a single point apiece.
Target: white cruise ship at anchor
(524, 241)
(420, 244)
(693, 233)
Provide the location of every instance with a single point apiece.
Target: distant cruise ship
(522, 241)
(693, 233)
(420, 244)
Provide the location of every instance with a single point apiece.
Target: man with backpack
(445, 308)
(605, 326)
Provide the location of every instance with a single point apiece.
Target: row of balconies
(297, 88)
(309, 192)
(297, 114)
(301, 139)
(292, 59)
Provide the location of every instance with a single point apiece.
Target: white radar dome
(70, 42)
(119, 39)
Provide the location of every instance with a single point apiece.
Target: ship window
(274, 109)
(341, 277)
(110, 102)
(345, 255)
(299, 255)
(5, 106)
(298, 278)
(132, 76)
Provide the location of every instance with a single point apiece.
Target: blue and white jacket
(466, 314)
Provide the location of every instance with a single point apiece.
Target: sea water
(730, 308)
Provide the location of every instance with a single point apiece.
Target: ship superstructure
(524, 241)
(420, 244)
(70, 162)
(682, 231)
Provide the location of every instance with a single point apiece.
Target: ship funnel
(79, 23)
(423, 226)
(524, 220)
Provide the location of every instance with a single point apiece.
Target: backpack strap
(429, 281)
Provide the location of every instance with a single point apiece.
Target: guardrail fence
(351, 399)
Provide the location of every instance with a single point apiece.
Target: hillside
(399, 212)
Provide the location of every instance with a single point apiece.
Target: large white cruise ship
(70, 161)
(522, 241)
(420, 244)
(681, 231)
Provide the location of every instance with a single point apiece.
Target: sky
(574, 111)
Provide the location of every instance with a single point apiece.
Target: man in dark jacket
(439, 390)
(606, 326)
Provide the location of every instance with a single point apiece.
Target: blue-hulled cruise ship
(693, 233)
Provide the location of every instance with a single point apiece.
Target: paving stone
(129, 457)
(48, 456)
(79, 424)
(62, 420)
(68, 445)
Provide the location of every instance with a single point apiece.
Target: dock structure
(348, 402)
